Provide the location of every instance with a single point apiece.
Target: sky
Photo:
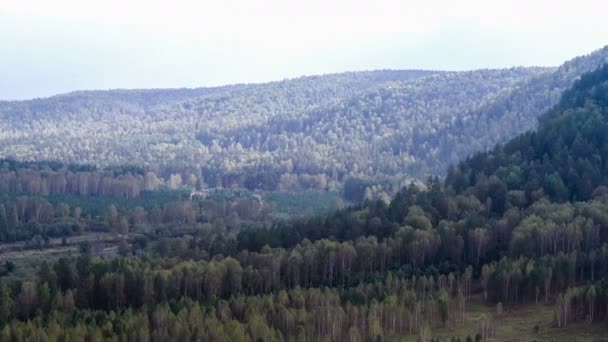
(53, 47)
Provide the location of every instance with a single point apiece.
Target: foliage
(526, 222)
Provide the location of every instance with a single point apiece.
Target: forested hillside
(514, 112)
(159, 127)
(381, 132)
(522, 225)
(311, 132)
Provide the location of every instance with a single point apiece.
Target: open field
(518, 322)
(27, 260)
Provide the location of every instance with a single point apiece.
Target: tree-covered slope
(514, 112)
(313, 125)
(159, 127)
(310, 132)
(423, 126)
(388, 130)
(566, 157)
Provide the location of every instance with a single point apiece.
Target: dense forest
(523, 223)
(306, 133)
(158, 128)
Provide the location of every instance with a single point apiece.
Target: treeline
(437, 226)
(45, 179)
(160, 290)
(311, 315)
(37, 219)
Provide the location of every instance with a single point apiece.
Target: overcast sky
(51, 47)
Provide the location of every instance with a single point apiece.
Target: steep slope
(513, 113)
(421, 127)
(566, 158)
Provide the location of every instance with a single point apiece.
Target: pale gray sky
(51, 47)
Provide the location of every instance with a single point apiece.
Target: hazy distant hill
(389, 129)
(159, 127)
(305, 132)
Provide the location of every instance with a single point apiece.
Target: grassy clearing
(302, 203)
(27, 262)
(518, 322)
